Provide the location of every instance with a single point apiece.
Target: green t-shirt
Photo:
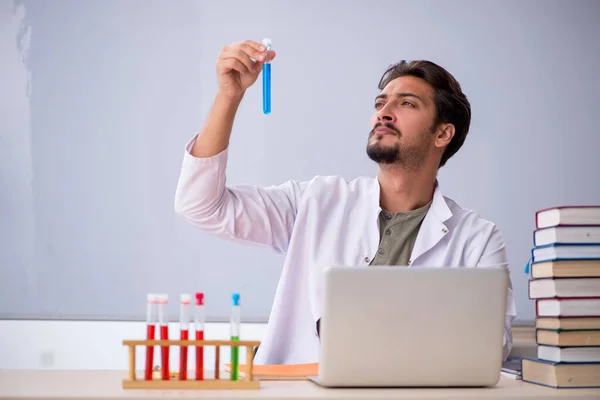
(398, 233)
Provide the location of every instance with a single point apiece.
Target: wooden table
(86, 384)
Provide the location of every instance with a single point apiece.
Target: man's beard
(383, 154)
(411, 158)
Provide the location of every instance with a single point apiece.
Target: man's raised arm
(262, 215)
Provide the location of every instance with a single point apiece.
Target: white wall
(530, 69)
(98, 344)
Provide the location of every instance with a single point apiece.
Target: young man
(421, 118)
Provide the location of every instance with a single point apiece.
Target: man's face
(401, 127)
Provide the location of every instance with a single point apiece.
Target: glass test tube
(199, 326)
(266, 79)
(185, 301)
(235, 335)
(151, 320)
(163, 320)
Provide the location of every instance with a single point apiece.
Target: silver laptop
(417, 327)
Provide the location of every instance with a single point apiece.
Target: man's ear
(444, 135)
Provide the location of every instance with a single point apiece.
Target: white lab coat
(325, 221)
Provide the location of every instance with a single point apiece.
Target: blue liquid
(266, 75)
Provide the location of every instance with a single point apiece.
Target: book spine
(537, 218)
(562, 300)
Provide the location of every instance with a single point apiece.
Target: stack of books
(565, 285)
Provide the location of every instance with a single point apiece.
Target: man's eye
(378, 105)
(408, 103)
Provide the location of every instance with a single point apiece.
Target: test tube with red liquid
(199, 326)
(163, 320)
(185, 305)
(151, 320)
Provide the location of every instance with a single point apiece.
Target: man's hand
(236, 71)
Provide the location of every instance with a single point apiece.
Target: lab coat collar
(438, 205)
(433, 228)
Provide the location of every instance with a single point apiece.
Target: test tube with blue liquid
(266, 79)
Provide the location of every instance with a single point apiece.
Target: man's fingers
(229, 64)
(258, 64)
(259, 47)
(241, 56)
(270, 55)
(252, 52)
(244, 52)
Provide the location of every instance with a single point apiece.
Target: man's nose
(384, 115)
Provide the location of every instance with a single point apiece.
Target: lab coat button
(366, 259)
(444, 230)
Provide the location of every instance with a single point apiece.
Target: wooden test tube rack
(249, 382)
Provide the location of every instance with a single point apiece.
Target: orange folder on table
(279, 371)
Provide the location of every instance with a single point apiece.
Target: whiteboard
(100, 97)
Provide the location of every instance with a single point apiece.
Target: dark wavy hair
(452, 105)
